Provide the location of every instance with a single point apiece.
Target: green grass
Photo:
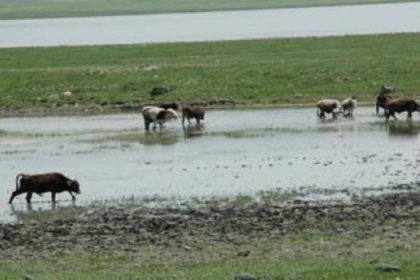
(298, 257)
(291, 71)
(11, 9)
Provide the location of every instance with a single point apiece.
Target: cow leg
(146, 124)
(393, 115)
(73, 198)
(53, 197)
(409, 115)
(12, 197)
(154, 125)
(198, 120)
(29, 197)
(14, 194)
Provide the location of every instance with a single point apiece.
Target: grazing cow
(157, 115)
(383, 98)
(401, 105)
(348, 105)
(41, 183)
(196, 113)
(330, 106)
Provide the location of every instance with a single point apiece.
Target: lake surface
(234, 152)
(212, 26)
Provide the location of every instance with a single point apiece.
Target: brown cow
(401, 105)
(330, 106)
(195, 112)
(41, 183)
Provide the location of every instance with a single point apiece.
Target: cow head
(170, 114)
(74, 186)
(385, 90)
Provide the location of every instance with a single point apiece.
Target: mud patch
(129, 226)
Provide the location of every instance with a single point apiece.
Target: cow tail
(18, 177)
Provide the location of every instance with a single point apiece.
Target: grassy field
(12, 9)
(283, 71)
(318, 259)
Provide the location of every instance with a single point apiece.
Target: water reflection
(407, 129)
(238, 151)
(193, 130)
(159, 137)
(25, 212)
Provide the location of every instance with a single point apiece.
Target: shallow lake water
(213, 26)
(233, 152)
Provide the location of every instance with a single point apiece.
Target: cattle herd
(57, 182)
(384, 100)
(159, 114)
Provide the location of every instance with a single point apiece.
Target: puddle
(233, 152)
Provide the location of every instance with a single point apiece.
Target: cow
(330, 106)
(348, 105)
(157, 115)
(41, 183)
(401, 105)
(195, 112)
(383, 98)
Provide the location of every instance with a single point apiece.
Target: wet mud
(131, 227)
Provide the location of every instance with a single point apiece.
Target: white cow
(157, 115)
(348, 105)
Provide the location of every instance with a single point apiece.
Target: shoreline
(86, 110)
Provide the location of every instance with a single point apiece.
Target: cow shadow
(193, 130)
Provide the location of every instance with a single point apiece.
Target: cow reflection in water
(159, 137)
(403, 129)
(193, 130)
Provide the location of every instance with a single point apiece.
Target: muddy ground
(131, 227)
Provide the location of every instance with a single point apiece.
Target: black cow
(383, 98)
(41, 183)
(401, 105)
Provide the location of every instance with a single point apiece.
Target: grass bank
(281, 71)
(11, 9)
(305, 257)
(277, 238)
